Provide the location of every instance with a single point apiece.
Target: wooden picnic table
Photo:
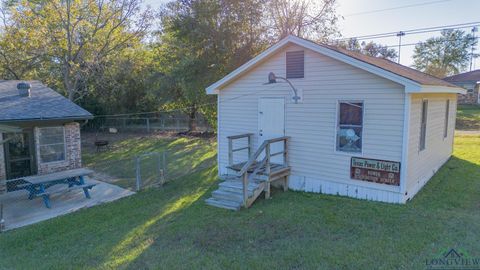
(37, 185)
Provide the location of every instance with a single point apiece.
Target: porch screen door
(19, 154)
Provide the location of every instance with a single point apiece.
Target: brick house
(39, 131)
(471, 82)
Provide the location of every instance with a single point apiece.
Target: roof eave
(410, 84)
(70, 118)
(214, 88)
(439, 89)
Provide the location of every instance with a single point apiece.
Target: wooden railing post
(230, 151)
(245, 190)
(250, 146)
(267, 155)
(285, 152)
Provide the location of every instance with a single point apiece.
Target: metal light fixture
(272, 78)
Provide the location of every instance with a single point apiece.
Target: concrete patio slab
(19, 211)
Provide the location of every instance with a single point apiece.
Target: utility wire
(395, 8)
(415, 31)
(421, 42)
(373, 36)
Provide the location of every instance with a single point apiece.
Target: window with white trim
(350, 126)
(51, 144)
(447, 113)
(423, 125)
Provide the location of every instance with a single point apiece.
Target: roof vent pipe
(24, 89)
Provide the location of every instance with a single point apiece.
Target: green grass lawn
(182, 157)
(468, 117)
(172, 228)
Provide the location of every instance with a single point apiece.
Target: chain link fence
(151, 169)
(164, 122)
(133, 162)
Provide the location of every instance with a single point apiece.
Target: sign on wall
(374, 170)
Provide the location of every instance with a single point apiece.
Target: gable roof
(413, 80)
(470, 77)
(43, 104)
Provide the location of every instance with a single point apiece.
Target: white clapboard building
(316, 118)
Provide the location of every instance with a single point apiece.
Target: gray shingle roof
(472, 77)
(43, 104)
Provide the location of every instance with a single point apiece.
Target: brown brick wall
(469, 98)
(73, 156)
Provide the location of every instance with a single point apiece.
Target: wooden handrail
(283, 138)
(260, 149)
(234, 137)
(230, 145)
(266, 161)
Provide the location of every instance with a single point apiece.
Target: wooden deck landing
(251, 178)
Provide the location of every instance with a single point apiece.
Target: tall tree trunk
(192, 120)
(67, 83)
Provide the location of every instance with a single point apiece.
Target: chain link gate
(153, 165)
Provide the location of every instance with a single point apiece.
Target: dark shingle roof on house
(404, 71)
(43, 104)
(472, 76)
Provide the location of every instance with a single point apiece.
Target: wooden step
(238, 185)
(222, 194)
(231, 205)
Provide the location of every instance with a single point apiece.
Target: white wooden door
(271, 124)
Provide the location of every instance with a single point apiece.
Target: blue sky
(435, 13)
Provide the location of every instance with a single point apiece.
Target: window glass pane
(423, 125)
(52, 144)
(51, 135)
(53, 152)
(349, 139)
(350, 127)
(351, 113)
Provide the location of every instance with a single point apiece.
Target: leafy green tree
(71, 38)
(123, 84)
(200, 42)
(445, 55)
(371, 48)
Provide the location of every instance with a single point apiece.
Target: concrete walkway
(19, 211)
(467, 132)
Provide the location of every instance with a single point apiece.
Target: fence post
(164, 160)
(137, 172)
(2, 221)
(160, 169)
(163, 122)
(148, 125)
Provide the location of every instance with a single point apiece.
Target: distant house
(39, 130)
(362, 127)
(471, 82)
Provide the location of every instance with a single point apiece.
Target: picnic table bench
(37, 185)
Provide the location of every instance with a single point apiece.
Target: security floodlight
(272, 78)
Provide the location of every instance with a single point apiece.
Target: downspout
(405, 144)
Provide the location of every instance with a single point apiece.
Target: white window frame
(422, 124)
(337, 128)
(40, 145)
(446, 121)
